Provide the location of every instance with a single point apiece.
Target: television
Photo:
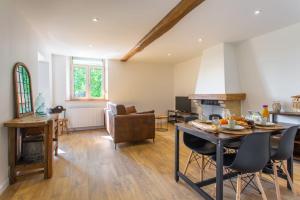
(183, 104)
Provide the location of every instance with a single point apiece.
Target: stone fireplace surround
(218, 103)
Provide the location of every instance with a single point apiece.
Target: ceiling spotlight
(95, 19)
(169, 54)
(257, 12)
(200, 39)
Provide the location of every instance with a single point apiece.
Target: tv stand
(176, 116)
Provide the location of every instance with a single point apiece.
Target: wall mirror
(22, 90)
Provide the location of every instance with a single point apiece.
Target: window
(87, 78)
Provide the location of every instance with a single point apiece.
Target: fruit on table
(237, 118)
(242, 123)
(223, 121)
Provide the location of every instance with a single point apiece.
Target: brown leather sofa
(127, 125)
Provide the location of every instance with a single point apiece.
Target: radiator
(85, 117)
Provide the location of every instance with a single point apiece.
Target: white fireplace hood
(218, 74)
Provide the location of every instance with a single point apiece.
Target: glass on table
(216, 121)
(226, 113)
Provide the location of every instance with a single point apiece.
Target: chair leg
(188, 162)
(56, 141)
(260, 174)
(238, 187)
(66, 126)
(261, 189)
(202, 167)
(56, 149)
(276, 181)
(288, 177)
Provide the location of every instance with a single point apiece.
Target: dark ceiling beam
(172, 18)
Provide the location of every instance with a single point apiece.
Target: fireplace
(209, 104)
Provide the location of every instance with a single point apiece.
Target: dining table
(220, 139)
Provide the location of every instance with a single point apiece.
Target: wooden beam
(172, 18)
(221, 97)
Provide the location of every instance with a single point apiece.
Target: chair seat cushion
(227, 160)
(206, 148)
(233, 145)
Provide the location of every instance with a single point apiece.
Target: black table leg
(219, 171)
(176, 154)
(290, 170)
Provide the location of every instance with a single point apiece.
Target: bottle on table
(265, 112)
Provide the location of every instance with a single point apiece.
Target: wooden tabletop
(215, 137)
(28, 121)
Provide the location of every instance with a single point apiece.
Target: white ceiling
(67, 27)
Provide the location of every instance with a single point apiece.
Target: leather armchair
(129, 127)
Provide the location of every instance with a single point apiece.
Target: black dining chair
(251, 158)
(200, 150)
(281, 150)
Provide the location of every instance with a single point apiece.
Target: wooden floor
(88, 167)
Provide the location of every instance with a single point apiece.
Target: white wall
(18, 42)
(232, 79)
(59, 75)
(44, 86)
(211, 77)
(147, 86)
(269, 67)
(185, 77)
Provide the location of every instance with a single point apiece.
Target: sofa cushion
(130, 110)
(121, 110)
(146, 112)
(117, 109)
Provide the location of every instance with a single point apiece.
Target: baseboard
(85, 128)
(4, 185)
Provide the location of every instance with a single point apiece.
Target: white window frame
(88, 67)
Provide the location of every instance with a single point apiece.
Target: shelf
(22, 165)
(296, 114)
(221, 97)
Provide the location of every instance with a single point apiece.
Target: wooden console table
(18, 168)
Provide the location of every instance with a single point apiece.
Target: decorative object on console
(40, 105)
(22, 90)
(276, 106)
(57, 109)
(296, 103)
